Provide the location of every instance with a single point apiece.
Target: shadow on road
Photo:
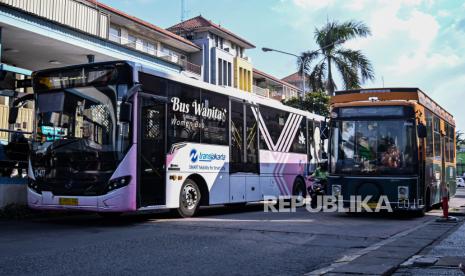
(87, 220)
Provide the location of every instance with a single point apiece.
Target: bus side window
(214, 129)
(299, 143)
(251, 148)
(237, 137)
(429, 133)
(452, 145)
(437, 138)
(309, 138)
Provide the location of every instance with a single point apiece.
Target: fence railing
(261, 91)
(151, 50)
(72, 13)
(14, 152)
(191, 67)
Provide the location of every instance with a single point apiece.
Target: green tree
(353, 66)
(315, 102)
(459, 139)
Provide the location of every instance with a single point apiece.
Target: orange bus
(393, 142)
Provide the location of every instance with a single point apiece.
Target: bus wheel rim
(190, 197)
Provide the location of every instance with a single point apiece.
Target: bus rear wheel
(189, 199)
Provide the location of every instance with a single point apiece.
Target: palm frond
(334, 32)
(317, 76)
(351, 29)
(357, 60)
(348, 72)
(307, 57)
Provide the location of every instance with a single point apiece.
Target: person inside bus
(391, 157)
(365, 152)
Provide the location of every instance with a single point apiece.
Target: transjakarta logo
(205, 157)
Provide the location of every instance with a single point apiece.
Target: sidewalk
(442, 258)
(445, 256)
(432, 248)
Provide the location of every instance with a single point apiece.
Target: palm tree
(353, 65)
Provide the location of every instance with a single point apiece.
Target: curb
(385, 257)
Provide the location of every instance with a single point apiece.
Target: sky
(414, 43)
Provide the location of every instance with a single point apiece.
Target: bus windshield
(77, 137)
(373, 147)
(66, 116)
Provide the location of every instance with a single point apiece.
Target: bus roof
(229, 91)
(394, 95)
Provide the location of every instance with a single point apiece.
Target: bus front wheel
(189, 199)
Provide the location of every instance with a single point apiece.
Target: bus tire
(299, 189)
(110, 215)
(189, 199)
(428, 207)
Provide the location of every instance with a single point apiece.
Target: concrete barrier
(13, 191)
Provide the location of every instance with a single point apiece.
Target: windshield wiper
(70, 141)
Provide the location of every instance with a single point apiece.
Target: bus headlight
(336, 190)
(402, 193)
(33, 185)
(118, 183)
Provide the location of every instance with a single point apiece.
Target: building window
(229, 74)
(220, 71)
(225, 72)
(148, 47)
(221, 43)
(115, 34)
(240, 51)
(131, 41)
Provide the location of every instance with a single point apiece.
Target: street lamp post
(303, 61)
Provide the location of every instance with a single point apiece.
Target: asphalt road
(220, 241)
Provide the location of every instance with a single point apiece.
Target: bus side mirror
(421, 130)
(125, 112)
(13, 115)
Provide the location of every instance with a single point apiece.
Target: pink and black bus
(119, 137)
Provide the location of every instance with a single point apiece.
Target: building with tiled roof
(296, 80)
(223, 52)
(270, 86)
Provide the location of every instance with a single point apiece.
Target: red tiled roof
(144, 23)
(274, 78)
(295, 77)
(200, 22)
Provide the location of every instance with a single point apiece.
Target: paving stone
(390, 255)
(451, 261)
(363, 268)
(374, 260)
(410, 242)
(428, 272)
(425, 261)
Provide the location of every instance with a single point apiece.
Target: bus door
(152, 150)
(244, 160)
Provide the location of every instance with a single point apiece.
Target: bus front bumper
(115, 201)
